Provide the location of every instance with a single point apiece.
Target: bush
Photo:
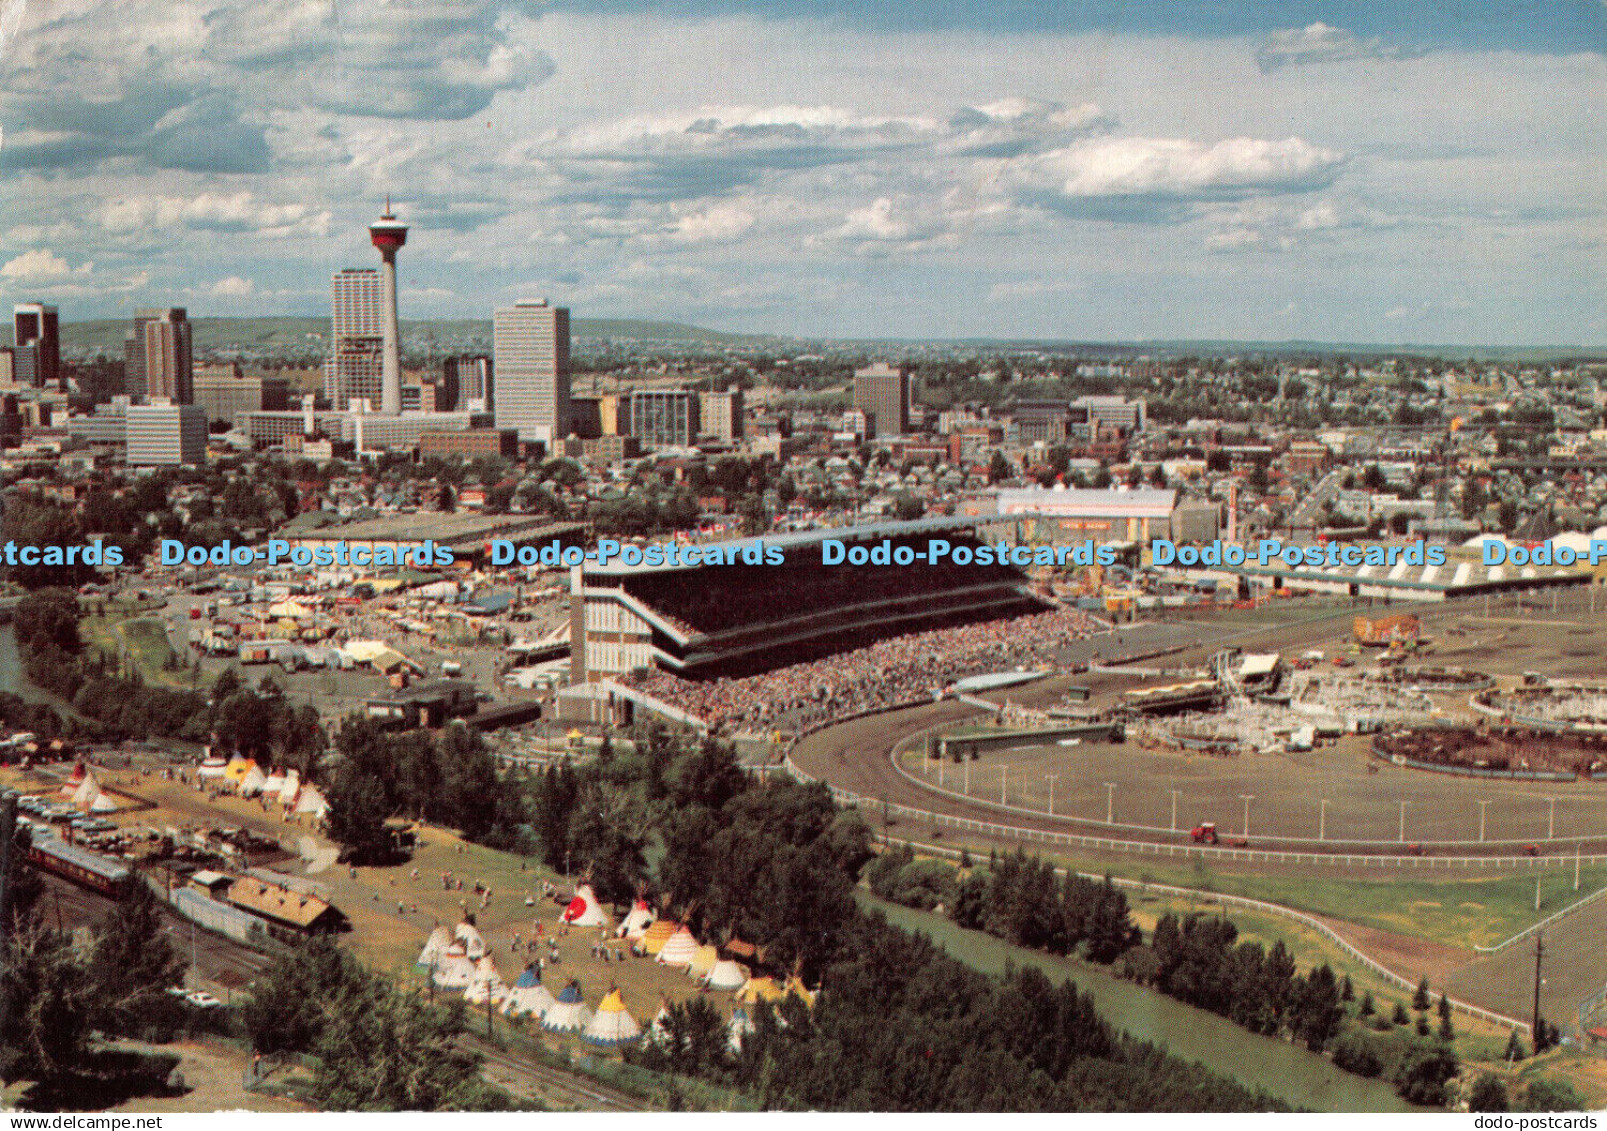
(1487, 1094)
(1357, 1053)
(1421, 1075)
(1547, 1094)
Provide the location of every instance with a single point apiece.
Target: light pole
(1322, 820)
(1551, 819)
(1247, 798)
(1403, 822)
(968, 775)
(1110, 803)
(1004, 784)
(1174, 810)
(1481, 805)
(1051, 778)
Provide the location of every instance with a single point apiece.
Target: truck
(1205, 833)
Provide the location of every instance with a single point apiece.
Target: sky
(1333, 170)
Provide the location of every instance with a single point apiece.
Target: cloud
(42, 266)
(718, 224)
(887, 225)
(1321, 43)
(232, 287)
(1138, 178)
(1012, 127)
(216, 212)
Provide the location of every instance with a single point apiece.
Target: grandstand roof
(870, 531)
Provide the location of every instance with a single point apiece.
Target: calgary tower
(389, 234)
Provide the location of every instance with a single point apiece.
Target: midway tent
(212, 768)
(726, 975)
(568, 1014)
(312, 801)
(102, 803)
(292, 788)
(88, 789)
(528, 997)
(585, 911)
(239, 766)
(679, 949)
(486, 983)
(455, 970)
(658, 934)
(272, 787)
(434, 948)
(637, 922)
(613, 1024)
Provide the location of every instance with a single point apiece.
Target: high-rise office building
(665, 418)
(882, 392)
(38, 339)
(165, 434)
(355, 366)
(721, 415)
(470, 377)
(531, 358)
(165, 356)
(221, 391)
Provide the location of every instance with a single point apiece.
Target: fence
(1468, 1009)
(1543, 924)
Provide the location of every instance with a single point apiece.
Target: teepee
(585, 911)
(252, 783)
(637, 922)
(726, 975)
(760, 989)
(88, 789)
(469, 935)
(613, 1024)
(658, 934)
(739, 1028)
(679, 950)
(274, 783)
(569, 1013)
(291, 789)
(486, 983)
(434, 948)
(528, 997)
(454, 970)
(312, 801)
(703, 961)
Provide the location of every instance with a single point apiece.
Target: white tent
(569, 1014)
(680, 950)
(486, 983)
(469, 935)
(253, 783)
(659, 1030)
(726, 975)
(291, 789)
(637, 922)
(434, 948)
(102, 803)
(455, 970)
(212, 768)
(706, 958)
(528, 997)
(312, 801)
(88, 789)
(272, 787)
(613, 1024)
(585, 911)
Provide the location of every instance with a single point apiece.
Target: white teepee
(680, 950)
(528, 997)
(569, 1014)
(613, 1024)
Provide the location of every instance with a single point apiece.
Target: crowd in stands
(898, 670)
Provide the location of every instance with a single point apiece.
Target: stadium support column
(577, 626)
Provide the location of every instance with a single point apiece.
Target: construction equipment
(1205, 833)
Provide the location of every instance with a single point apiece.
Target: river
(1287, 1071)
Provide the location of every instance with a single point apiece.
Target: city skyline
(1319, 171)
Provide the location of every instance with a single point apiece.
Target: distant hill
(220, 333)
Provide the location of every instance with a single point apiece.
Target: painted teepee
(637, 922)
(569, 1014)
(455, 970)
(434, 947)
(585, 911)
(486, 983)
(528, 997)
(706, 958)
(679, 950)
(613, 1024)
(469, 935)
(659, 934)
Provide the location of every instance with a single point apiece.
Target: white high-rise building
(531, 347)
(165, 434)
(355, 366)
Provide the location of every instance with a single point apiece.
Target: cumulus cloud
(214, 211)
(232, 287)
(42, 266)
(1321, 43)
(718, 224)
(1139, 178)
(1012, 127)
(886, 225)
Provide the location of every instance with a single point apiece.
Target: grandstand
(736, 619)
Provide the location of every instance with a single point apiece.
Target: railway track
(534, 1080)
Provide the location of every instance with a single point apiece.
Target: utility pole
(1051, 778)
(1174, 810)
(1110, 803)
(1539, 951)
(1322, 820)
(1403, 822)
(1481, 805)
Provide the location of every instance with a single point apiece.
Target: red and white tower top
(388, 233)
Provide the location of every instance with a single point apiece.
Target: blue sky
(1349, 170)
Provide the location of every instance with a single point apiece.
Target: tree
(384, 1049)
(1420, 999)
(999, 468)
(357, 816)
(1546, 1094)
(49, 1006)
(133, 963)
(1447, 1032)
